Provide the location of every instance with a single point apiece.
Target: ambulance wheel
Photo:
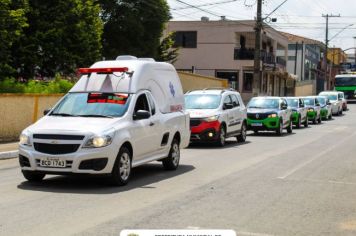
(121, 170)
(222, 136)
(242, 136)
(172, 161)
(33, 176)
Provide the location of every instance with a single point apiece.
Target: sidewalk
(8, 150)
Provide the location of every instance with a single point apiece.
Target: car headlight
(310, 109)
(272, 115)
(211, 118)
(98, 141)
(25, 139)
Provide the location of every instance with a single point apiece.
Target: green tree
(12, 23)
(166, 52)
(62, 35)
(133, 27)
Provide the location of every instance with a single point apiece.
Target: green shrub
(58, 85)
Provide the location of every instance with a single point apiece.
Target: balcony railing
(266, 57)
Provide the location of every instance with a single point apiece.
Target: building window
(231, 76)
(247, 81)
(185, 39)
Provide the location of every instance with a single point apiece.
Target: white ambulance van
(119, 115)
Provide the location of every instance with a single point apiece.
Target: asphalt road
(299, 184)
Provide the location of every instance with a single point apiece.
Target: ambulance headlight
(25, 139)
(98, 141)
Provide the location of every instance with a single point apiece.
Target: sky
(301, 17)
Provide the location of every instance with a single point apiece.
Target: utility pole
(326, 46)
(257, 55)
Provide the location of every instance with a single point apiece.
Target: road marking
(251, 234)
(323, 181)
(298, 167)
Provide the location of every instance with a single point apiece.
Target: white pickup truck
(119, 115)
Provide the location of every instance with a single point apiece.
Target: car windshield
(322, 100)
(341, 95)
(92, 105)
(309, 101)
(264, 103)
(292, 102)
(331, 97)
(202, 101)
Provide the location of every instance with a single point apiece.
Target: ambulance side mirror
(141, 114)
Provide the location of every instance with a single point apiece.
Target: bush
(58, 85)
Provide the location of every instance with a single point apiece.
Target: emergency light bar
(102, 70)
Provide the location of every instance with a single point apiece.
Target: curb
(9, 155)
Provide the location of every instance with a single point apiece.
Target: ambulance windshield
(93, 105)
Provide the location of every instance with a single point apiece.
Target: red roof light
(102, 70)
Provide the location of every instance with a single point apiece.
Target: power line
(204, 5)
(196, 7)
(276, 8)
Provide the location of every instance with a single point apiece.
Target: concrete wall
(306, 88)
(193, 81)
(17, 111)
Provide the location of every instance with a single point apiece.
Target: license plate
(53, 162)
(256, 124)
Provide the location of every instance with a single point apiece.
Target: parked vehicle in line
(120, 114)
(343, 100)
(325, 108)
(269, 114)
(216, 114)
(299, 111)
(335, 99)
(346, 83)
(313, 106)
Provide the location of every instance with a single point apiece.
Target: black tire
(306, 122)
(172, 161)
(121, 171)
(319, 120)
(330, 116)
(242, 137)
(279, 130)
(222, 136)
(255, 131)
(340, 112)
(290, 127)
(299, 122)
(33, 176)
(315, 120)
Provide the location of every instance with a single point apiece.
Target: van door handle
(152, 124)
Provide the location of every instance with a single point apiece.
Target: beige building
(225, 49)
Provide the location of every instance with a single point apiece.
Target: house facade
(306, 61)
(225, 49)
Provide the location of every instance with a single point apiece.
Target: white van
(119, 115)
(336, 101)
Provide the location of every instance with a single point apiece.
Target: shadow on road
(228, 144)
(269, 134)
(141, 177)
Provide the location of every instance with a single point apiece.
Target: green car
(325, 108)
(269, 114)
(299, 111)
(313, 106)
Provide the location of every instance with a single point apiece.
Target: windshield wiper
(103, 116)
(61, 114)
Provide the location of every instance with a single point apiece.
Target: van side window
(301, 103)
(142, 103)
(235, 101)
(152, 104)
